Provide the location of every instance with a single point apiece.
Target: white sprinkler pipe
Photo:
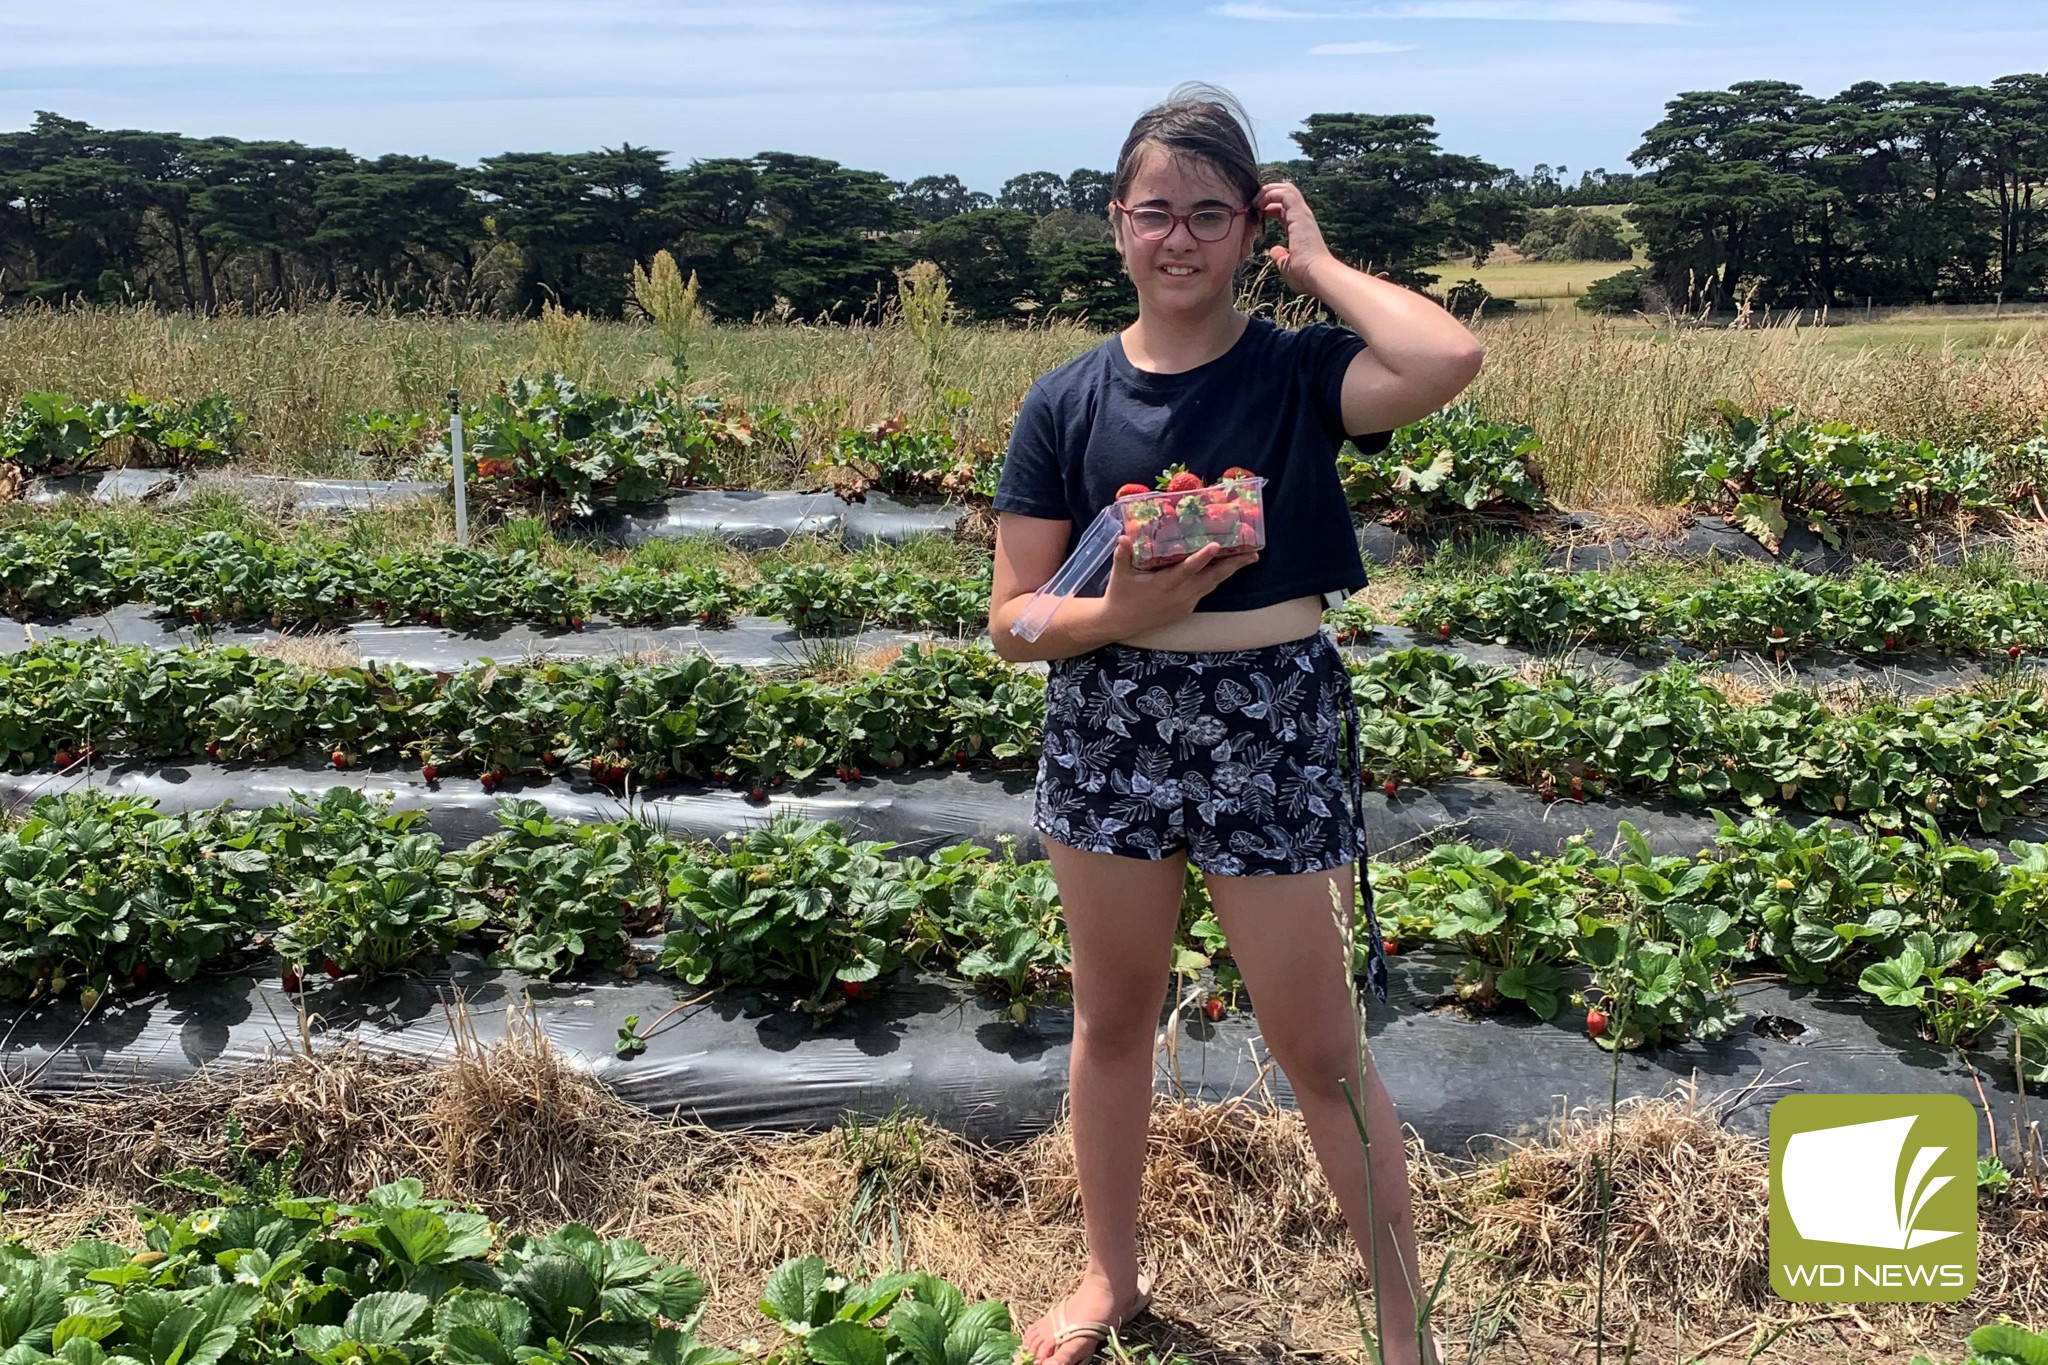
(455, 456)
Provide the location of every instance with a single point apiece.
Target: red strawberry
(292, 979)
(1238, 471)
(64, 758)
(332, 968)
(1578, 790)
(1891, 642)
(1183, 482)
(548, 760)
(1392, 947)
(853, 774)
(141, 973)
(428, 772)
(852, 989)
(775, 781)
(840, 772)
(962, 757)
(1220, 521)
(1596, 1021)
(2012, 652)
(213, 748)
(759, 793)
(1131, 489)
(490, 782)
(1213, 1007)
(338, 758)
(1390, 786)
(703, 616)
(575, 623)
(1443, 629)
(1777, 632)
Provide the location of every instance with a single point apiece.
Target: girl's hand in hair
(1305, 249)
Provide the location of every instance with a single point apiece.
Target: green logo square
(1873, 1198)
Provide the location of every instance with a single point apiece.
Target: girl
(1194, 711)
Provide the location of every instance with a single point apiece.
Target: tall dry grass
(1611, 400)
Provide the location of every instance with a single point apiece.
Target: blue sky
(985, 89)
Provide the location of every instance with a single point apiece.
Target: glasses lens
(1151, 223)
(1210, 225)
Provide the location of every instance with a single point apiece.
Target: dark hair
(1199, 123)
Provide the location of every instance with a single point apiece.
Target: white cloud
(1512, 11)
(1357, 49)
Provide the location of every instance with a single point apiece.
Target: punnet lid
(1083, 567)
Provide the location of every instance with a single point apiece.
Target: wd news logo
(1873, 1198)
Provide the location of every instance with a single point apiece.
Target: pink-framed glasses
(1156, 225)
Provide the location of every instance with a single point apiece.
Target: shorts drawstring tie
(1354, 756)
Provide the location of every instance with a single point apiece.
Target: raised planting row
(1913, 921)
(106, 896)
(65, 569)
(50, 434)
(552, 442)
(260, 1275)
(1970, 757)
(1782, 614)
(1768, 472)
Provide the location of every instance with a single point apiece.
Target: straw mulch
(1255, 1260)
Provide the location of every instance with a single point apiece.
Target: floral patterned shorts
(1247, 758)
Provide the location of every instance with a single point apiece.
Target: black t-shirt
(1271, 403)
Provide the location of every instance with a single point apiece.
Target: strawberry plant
(1955, 1006)
(562, 896)
(1665, 944)
(896, 458)
(1513, 920)
(789, 902)
(50, 434)
(1454, 462)
(376, 909)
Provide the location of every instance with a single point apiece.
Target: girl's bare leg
(1286, 944)
(1121, 914)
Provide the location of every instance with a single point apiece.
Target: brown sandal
(1064, 1331)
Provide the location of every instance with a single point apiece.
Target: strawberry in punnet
(1213, 1008)
(1220, 521)
(1237, 471)
(1132, 489)
(1179, 479)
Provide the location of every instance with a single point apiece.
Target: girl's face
(1179, 274)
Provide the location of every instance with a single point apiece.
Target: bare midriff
(1212, 630)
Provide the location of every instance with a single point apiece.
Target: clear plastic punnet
(1090, 558)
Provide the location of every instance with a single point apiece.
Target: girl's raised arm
(1417, 357)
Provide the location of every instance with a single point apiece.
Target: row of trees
(1909, 192)
(202, 223)
(1912, 191)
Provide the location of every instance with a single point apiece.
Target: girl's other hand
(1137, 600)
(1305, 247)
